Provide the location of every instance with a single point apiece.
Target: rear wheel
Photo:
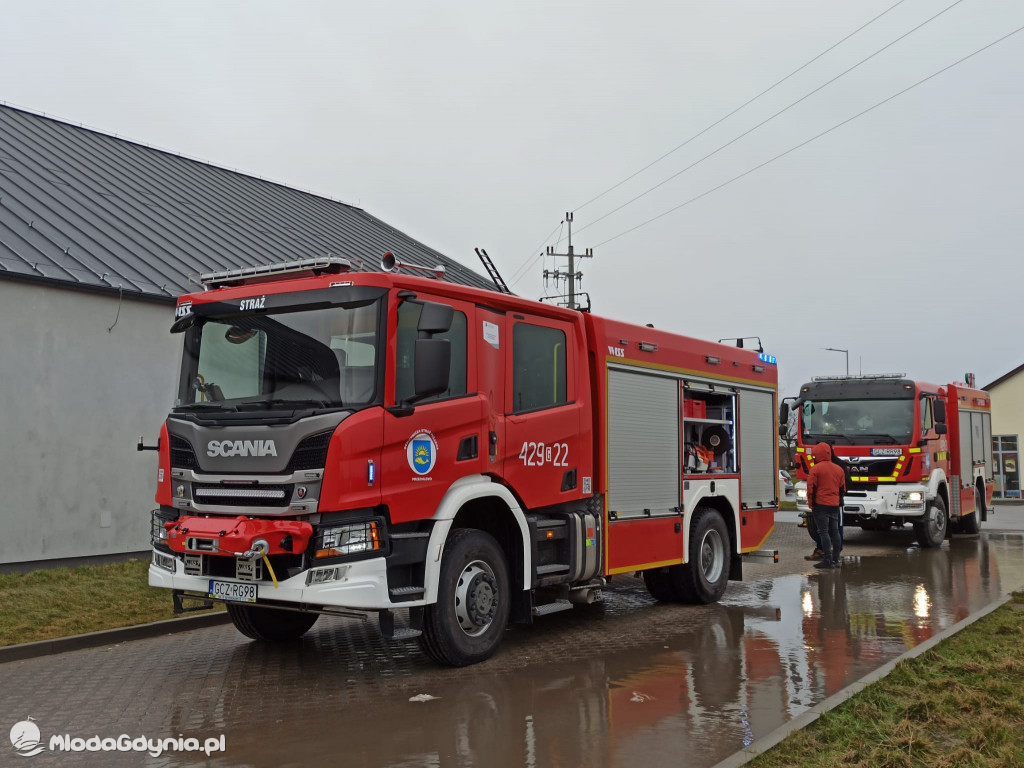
(705, 577)
(659, 584)
(468, 620)
(270, 624)
(931, 530)
(972, 523)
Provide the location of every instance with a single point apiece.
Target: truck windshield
(858, 422)
(321, 358)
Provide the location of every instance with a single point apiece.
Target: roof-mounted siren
(389, 263)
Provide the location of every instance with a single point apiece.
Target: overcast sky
(897, 236)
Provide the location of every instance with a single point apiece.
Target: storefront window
(1007, 466)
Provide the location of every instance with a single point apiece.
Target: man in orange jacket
(826, 485)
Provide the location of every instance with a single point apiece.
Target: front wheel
(271, 625)
(467, 622)
(931, 531)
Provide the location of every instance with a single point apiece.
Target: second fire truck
(913, 452)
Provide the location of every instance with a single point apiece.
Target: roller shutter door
(758, 448)
(643, 444)
(966, 457)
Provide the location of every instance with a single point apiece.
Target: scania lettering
(447, 459)
(241, 448)
(913, 452)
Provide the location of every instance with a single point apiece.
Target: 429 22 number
(539, 454)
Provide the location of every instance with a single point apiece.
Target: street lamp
(845, 352)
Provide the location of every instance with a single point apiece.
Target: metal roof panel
(80, 207)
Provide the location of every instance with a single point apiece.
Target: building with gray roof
(98, 236)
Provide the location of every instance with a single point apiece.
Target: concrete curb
(803, 720)
(110, 636)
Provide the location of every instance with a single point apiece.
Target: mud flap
(736, 568)
(522, 607)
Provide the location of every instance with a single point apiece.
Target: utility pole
(572, 277)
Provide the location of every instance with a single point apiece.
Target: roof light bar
(861, 378)
(320, 264)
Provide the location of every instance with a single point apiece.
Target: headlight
(801, 493)
(340, 540)
(909, 499)
(157, 532)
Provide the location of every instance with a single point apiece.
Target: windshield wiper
(203, 405)
(831, 439)
(260, 404)
(881, 437)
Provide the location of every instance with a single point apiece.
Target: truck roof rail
(241, 275)
(861, 377)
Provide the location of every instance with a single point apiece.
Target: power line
(530, 262)
(741, 106)
(813, 138)
(769, 119)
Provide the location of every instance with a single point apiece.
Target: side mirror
(435, 318)
(784, 413)
(941, 429)
(939, 412)
(432, 367)
(783, 430)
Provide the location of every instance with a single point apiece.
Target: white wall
(1008, 406)
(74, 399)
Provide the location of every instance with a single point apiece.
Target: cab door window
(539, 368)
(927, 421)
(408, 319)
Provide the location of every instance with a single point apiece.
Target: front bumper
(363, 586)
(884, 502)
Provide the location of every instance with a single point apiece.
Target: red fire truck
(913, 452)
(351, 443)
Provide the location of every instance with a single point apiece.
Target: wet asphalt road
(623, 683)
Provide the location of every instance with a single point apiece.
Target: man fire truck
(349, 443)
(913, 452)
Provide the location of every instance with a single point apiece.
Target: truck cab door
(543, 451)
(443, 438)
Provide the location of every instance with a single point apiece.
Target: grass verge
(958, 704)
(42, 605)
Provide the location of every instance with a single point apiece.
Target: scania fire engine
(913, 452)
(448, 458)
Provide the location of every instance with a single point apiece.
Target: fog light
(160, 560)
(324, 575)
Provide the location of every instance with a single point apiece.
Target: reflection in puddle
(696, 686)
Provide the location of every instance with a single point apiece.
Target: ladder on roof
(492, 271)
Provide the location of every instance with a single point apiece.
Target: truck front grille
(242, 496)
(311, 453)
(182, 454)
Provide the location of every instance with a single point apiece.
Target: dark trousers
(826, 519)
